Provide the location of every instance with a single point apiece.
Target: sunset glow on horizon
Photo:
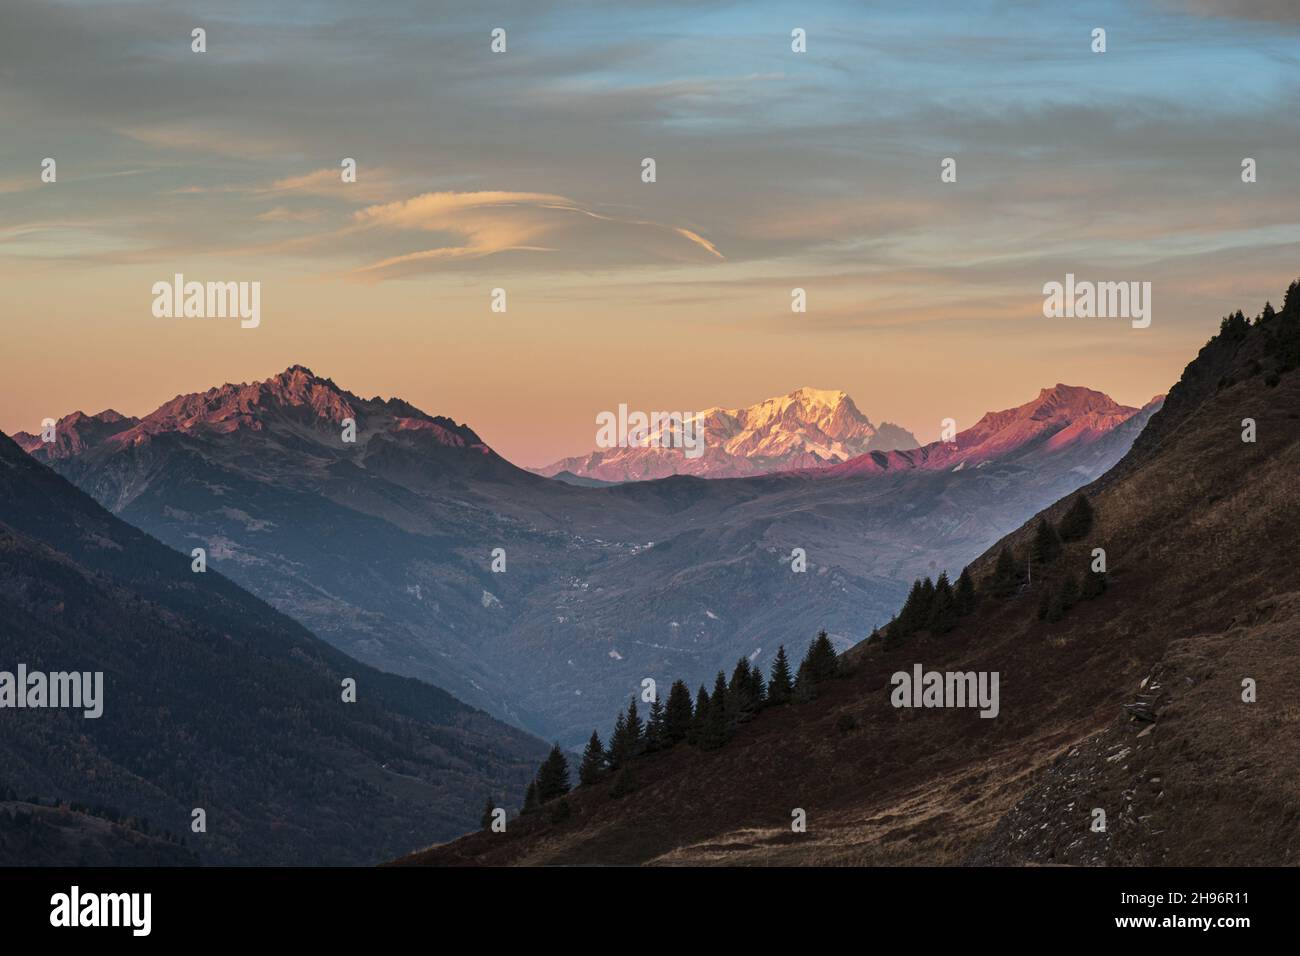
(522, 171)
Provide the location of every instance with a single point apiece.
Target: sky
(522, 171)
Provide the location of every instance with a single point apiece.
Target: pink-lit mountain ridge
(295, 400)
(1060, 418)
(383, 546)
(807, 428)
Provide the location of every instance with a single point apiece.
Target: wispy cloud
(283, 214)
(486, 223)
(373, 184)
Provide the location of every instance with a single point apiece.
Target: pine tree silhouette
(757, 687)
(740, 702)
(943, 607)
(913, 614)
(617, 754)
(677, 716)
(822, 658)
(485, 821)
(553, 777)
(781, 686)
(655, 736)
(965, 593)
(635, 741)
(718, 723)
(1078, 520)
(1047, 543)
(593, 761)
(819, 665)
(701, 718)
(1006, 575)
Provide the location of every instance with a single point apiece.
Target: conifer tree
(700, 719)
(1235, 327)
(553, 777)
(617, 754)
(965, 593)
(927, 602)
(655, 737)
(740, 703)
(530, 798)
(1006, 575)
(781, 686)
(822, 660)
(635, 731)
(716, 726)
(1291, 298)
(485, 821)
(819, 665)
(757, 687)
(943, 607)
(1047, 543)
(677, 715)
(1078, 520)
(911, 618)
(593, 761)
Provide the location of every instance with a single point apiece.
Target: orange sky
(523, 171)
(532, 380)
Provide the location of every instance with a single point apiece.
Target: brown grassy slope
(1199, 530)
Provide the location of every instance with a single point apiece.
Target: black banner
(210, 905)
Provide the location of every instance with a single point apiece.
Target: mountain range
(212, 700)
(420, 551)
(805, 429)
(1147, 720)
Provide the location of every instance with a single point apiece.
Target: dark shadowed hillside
(1123, 695)
(37, 835)
(212, 699)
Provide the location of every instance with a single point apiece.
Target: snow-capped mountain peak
(805, 428)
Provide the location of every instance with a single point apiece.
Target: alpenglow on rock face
(808, 428)
(1064, 417)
